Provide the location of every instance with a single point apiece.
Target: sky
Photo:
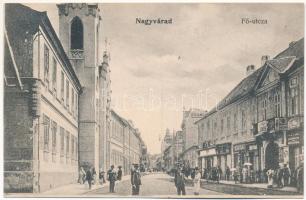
(159, 70)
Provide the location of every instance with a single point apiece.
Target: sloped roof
(21, 21)
(295, 49)
(243, 88)
(281, 64)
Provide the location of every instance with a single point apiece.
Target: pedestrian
(111, 176)
(300, 179)
(219, 173)
(135, 180)
(89, 177)
(179, 180)
(244, 174)
(119, 176)
(227, 173)
(82, 175)
(236, 175)
(286, 174)
(270, 174)
(197, 181)
(94, 175)
(102, 176)
(279, 177)
(192, 173)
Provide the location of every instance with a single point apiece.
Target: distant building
(167, 141)
(190, 130)
(126, 146)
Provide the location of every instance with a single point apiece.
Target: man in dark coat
(135, 180)
(111, 176)
(89, 177)
(179, 181)
(119, 176)
(227, 173)
(286, 174)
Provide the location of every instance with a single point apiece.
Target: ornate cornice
(91, 9)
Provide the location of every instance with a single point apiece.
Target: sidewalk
(254, 185)
(71, 190)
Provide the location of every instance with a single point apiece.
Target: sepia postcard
(155, 100)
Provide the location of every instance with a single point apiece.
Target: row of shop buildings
(261, 121)
(57, 99)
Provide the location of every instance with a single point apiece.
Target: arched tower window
(76, 39)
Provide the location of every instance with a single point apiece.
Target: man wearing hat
(135, 180)
(179, 181)
(119, 175)
(111, 176)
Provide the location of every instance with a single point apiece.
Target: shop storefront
(223, 155)
(295, 141)
(239, 151)
(270, 140)
(208, 157)
(246, 153)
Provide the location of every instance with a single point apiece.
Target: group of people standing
(113, 175)
(180, 179)
(282, 177)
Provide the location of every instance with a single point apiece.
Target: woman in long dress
(197, 181)
(270, 174)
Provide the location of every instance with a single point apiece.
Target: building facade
(189, 128)
(126, 145)
(41, 96)
(79, 32)
(261, 120)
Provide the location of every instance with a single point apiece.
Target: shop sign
(294, 123)
(262, 127)
(239, 147)
(285, 154)
(281, 124)
(223, 149)
(293, 138)
(271, 125)
(252, 147)
(208, 152)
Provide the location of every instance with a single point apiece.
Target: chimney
(250, 69)
(264, 59)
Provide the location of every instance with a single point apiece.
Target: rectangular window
(243, 120)
(294, 101)
(62, 134)
(54, 71)
(67, 143)
(221, 126)
(72, 147)
(235, 122)
(293, 97)
(46, 64)
(72, 101)
(62, 86)
(67, 93)
(46, 132)
(277, 105)
(76, 148)
(76, 104)
(54, 132)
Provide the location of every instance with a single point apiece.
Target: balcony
(270, 126)
(76, 54)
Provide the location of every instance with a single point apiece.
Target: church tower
(79, 27)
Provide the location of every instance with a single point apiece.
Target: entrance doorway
(272, 156)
